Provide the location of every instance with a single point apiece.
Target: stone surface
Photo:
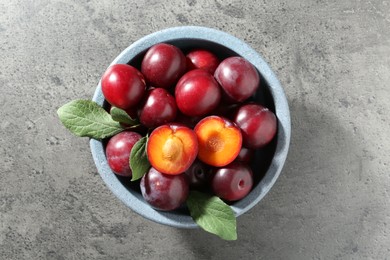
(332, 199)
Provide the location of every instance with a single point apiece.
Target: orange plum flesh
(172, 148)
(219, 141)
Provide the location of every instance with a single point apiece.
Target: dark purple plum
(163, 64)
(162, 191)
(238, 78)
(258, 125)
(159, 107)
(198, 175)
(245, 155)
(232, 182)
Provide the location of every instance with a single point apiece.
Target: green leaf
(121, 116)
(139, 162)
(86, 118)
(213, 215)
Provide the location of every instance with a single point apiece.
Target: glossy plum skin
(197, 93)
(258, 125)
(123, 86)
(164, 192)
(159, 107)
(238, 78)
(118, 150)
(163, 64)
(232, 182)
(198, 175)
(245, 155)
(202, 59)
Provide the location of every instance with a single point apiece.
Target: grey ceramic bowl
(268, 162)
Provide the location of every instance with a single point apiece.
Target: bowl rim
(281, 110)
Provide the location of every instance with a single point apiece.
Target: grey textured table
(332, 200)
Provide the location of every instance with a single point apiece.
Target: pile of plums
(201, 123)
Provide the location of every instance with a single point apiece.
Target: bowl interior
(266, 165)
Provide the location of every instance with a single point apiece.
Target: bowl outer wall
(135, 200)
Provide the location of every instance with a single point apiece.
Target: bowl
(268, 162)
